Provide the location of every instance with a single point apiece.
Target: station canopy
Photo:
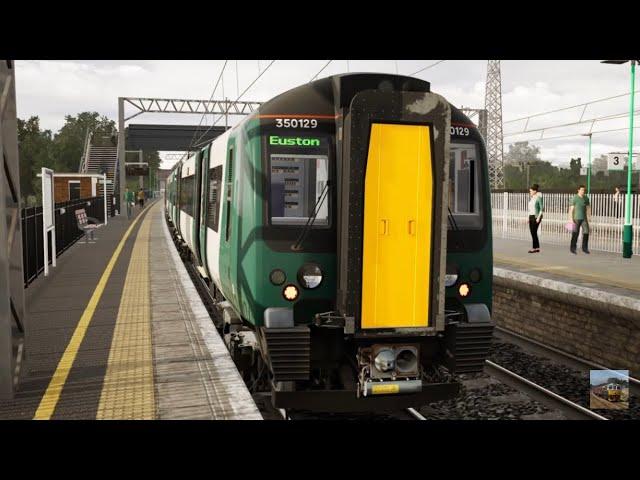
(177, 138)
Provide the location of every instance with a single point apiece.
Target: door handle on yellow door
(412, 227)
(384, 227)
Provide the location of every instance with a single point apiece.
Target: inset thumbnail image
(609, 389)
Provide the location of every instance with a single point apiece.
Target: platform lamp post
(627, 232)
(589, 164)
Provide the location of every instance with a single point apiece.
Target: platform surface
(603, 271)
(118, 331)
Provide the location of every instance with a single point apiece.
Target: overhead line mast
(494, 139)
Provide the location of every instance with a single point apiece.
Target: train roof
(319, 96)
(329, 95)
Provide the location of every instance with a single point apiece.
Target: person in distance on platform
(536, 207)
(129, 200)
(617, 202)
(141, 198)
(580, 214)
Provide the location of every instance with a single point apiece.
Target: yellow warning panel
(383, 388)
(398, 215)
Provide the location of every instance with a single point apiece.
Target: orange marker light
(290, 292)
(464, 290)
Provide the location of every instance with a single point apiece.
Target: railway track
(558, 355)
(562, 373)
(406, 414)
(572, 410)
(263, 401)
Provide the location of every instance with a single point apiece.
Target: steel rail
(634, 383)
(541, 394)
(415, 414)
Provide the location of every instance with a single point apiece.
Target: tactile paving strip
(128, 389)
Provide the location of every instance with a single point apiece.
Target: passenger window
(186, 194)
(215, 179)
(229, 194)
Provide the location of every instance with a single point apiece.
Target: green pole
(627, 233)
(589, 169)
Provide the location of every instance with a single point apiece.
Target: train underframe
(326, 366)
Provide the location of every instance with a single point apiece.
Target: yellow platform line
(567, 273)
(51, 396)
(128, 388)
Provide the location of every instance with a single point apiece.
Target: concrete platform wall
(589, 323)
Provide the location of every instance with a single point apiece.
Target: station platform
(586, 305)
(607, 272)
(117, 331)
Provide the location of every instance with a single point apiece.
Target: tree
(575, 165)
(34, 148)
(522, 153)
(69, 141)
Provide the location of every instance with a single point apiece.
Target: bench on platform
(87, 224)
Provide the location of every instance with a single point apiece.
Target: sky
(598, 377)
(53, 89)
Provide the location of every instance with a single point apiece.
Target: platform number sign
(618, 161)
(615, 161)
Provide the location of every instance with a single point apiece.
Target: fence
(511, 219)
(67, 232)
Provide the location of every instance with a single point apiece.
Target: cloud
(53, 89)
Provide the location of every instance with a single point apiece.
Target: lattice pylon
(493, 106)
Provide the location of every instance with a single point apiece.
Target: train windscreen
(465, 186)
(298, 184)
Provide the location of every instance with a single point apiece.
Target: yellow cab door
(397, 227)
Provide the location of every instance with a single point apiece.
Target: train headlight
(450, 279)
(290, 292)
(277, 277)
(385, 360)
(309, 276)
(464, 290)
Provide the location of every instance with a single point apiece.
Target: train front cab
(614, 392)
(391, 257)
(469, 269)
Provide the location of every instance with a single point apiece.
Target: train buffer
(118, 331)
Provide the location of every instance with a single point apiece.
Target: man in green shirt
(129, 199)
(580, 213)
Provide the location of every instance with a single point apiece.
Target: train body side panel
(252, 280)
(217, 157)
(228, 223)
(187, 192)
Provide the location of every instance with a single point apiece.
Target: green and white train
(343, 235)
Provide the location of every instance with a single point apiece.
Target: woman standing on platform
(536, 207)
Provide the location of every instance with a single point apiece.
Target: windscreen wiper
(312, 218)
(452, 220)
(454, 226)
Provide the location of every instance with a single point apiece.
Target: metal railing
(86, 152)
(67, 232)
(511, 219)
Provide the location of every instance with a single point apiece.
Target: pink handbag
(570, 226)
